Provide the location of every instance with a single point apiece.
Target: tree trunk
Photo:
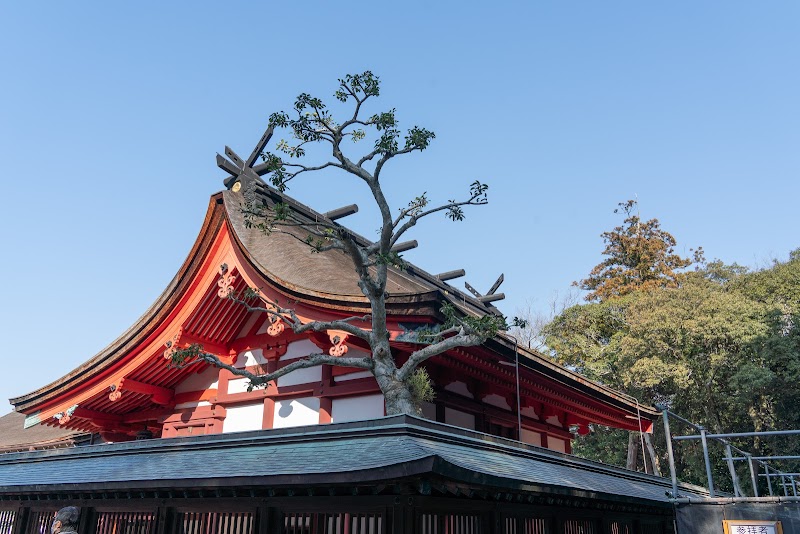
(633, 452)
(396, 394)
(654, 463)
(398, 397)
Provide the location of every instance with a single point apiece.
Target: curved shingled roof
(326, 280)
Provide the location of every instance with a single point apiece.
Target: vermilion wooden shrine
(319, 456)
(129, 388)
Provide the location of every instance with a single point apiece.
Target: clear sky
(111, 114)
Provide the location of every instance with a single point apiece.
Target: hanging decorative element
(172, 346)
(277, 327)
(116, 391)
(338, 340)
(64, 417)
(225, 282)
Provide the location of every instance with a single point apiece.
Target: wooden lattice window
(40, 522)
(215, 523)
(526, 525)
(620, 527)
(334, 523)
(450, 524)
(7, 518)
(580, 526)
(125, 523)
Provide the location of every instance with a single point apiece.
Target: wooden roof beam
(339, 213)
(405, 245)
(449, 275)
(147, 415)
(101, 417)
(160, 395)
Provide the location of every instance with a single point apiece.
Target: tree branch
(298, 327)
(312, 360)
(462, 339)
(473, 201)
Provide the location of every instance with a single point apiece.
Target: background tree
(718, 345)
(313, 129)
(531, 321)
(639, 255)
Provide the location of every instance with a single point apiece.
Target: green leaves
(277, 170)
(478, 191)
(416, 206)
(182, 357)
(358, 86)
(421, 386)
(721, 348)
(279, 120)
(485, 326)
(419, 138)
(384, 121)
(387, 142)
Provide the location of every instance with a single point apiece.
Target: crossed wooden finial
(243, 172)
(490, 295)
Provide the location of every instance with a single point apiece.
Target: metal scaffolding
(787, 481)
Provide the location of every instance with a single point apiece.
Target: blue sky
(110, 117)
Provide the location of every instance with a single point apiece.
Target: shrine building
(192, 450)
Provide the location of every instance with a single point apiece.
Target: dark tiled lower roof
(14, 437)
(390, 448)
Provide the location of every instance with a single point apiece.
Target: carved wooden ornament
(172, 346)
(115, 391)
(277, 327)
(225, 282)
(338, 340)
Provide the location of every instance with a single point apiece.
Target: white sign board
(745, 526)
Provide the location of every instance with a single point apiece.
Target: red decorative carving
(65, 417)
(116, 391)
(225, 282)
(338, 340)
(276, 328)
(172, 346)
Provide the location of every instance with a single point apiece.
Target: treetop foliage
(639, 255)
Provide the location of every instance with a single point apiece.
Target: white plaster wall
(301, 376)
(530, 412)
(296, 412)
(497, 400)
(244, 417)
(459, 418)
(352, 376)
(357, 408)
(556, 444)
(529, 436)
(207, 379)
(249, 357)
(460, 388)
(299, 349)
(237, 385)
(195, 404)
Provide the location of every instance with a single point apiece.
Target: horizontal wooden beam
(160, 395)
(85, 413)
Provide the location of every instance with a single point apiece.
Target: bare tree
(311, 123)
(531, 319)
